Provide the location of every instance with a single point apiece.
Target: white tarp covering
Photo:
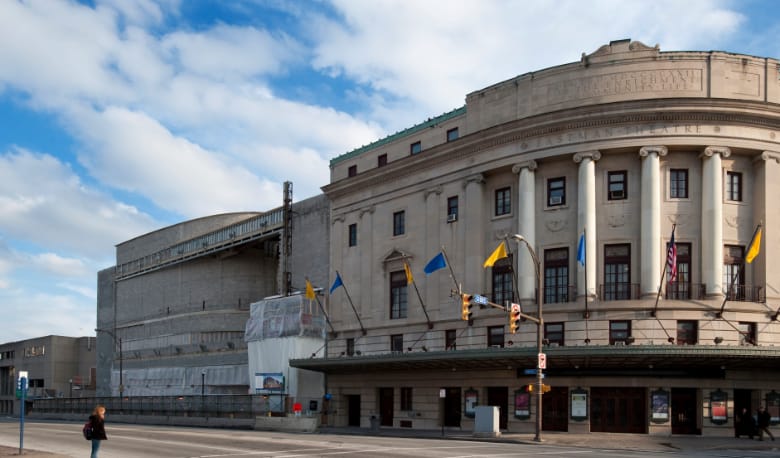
(288, 316)
(175, 381)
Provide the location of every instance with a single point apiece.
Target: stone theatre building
(623, 148)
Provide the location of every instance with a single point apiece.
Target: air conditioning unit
(617, 195)
(452, 217)
(620, 342)
(556, 200)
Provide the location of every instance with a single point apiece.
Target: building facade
(597, 165)
(172, 312)
(56, 367)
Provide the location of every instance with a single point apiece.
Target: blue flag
(435, 264)
(581, 250)
(336, 283)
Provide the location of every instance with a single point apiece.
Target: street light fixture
(539, 328)
(121, 369)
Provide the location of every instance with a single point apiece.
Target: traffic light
(529, 388)
(545, 388)
(465, 312)
(514, 320)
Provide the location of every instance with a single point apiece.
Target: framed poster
(269, 382)
(773, 407)
(522, 404)
(471, 401)
(579, 404)
(659, 402)
(718, 411)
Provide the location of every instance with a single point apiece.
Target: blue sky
(123, 116)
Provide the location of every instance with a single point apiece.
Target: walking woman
(98, 428)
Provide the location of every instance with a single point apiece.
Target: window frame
(415, 148)
(350, 346)
(622, 184)
(680, 288)
(734, 260)
(399, 295)
(557, 293)
(617, 293)
(555, 190)
(501, 280)
(679, 182)
(493, 335)
(733, 186)
(452, 134)
(502, 201)
(452, 207)
(381, 160)
(687, 336)
(352, 235)
(553, 335)
(352, 171)
(396, 343)
(748, 333)
(615, 333)
(407, 397)
(399, 223)
(451, 339)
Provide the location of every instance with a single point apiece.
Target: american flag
(671, 258)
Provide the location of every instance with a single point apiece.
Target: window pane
(556, 191)
(503, 202)
(399, 223)
(398, 294)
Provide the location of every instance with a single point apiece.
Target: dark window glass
(502, 281)
(415, 147)
(617, 272)
(350, 346)
(687, 332)
(734, 186)
(399, 223)
(398, 294)
(353, 234)
(381, 161)
(556, 275)
(452, 207)
(680, 288)
(452, 134)
(619, 330)
(450, 335)
(352, 171)
(496, 336)
(617, 185)
(733, 272)
(747, 333)
(503, 201)
(553, 333)
(678, 183)
(397, 343)
(556, 191)
(406, 398)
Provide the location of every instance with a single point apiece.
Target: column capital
(768, 156)
(437, 190)
(338, 219)
(712, 150)
(659, 150)
(476, 178)
(530, 165)
(592, 155)
(363, 211)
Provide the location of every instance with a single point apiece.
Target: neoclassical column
(474, 235)
(650, 232)
(766, 188)
(526, 226)
(712, 219)
(586, 219)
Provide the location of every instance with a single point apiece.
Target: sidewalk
(610, 441)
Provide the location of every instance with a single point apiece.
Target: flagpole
(661, 284)
(736, 274)
(324, 313)
(351, 304)
(419, 296)
(515, 292)
(452, 272)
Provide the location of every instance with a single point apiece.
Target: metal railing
(685, 291)
(619, 291)
(745, 293)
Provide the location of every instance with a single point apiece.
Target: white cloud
(59, 265)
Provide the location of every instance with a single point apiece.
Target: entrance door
(742, 398)
(353, 410)
(452, 407)
(386, 406)
(618, 410)
(684, 408)
(555, 409)
(499, 396)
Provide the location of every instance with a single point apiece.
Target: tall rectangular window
(399, 223)
(381, 160)
(397, 343)
(398, 294)
(556, 191)
(350, 346)
(502, 281)
(619, 330)
(452, 208)
(733, 273)
(553, 333)
(617, 272)
(734, 186)
(415, 148)
(687, 332)
(503, 201)
(496, 336)
(352, 171)
(617, 185)
(450, 337)
(452, 134)
(678, 183)
(406, 398)
(556, 275)
(352, 234)
(680, 288)
(747, 333)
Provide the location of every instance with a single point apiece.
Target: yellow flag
(755, 246)
(309, 290)
(500, 252)
(409, 278)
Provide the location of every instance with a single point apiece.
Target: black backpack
(87, 430)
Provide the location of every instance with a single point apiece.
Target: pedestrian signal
(514, 320)
(465, 312)
(529, 388)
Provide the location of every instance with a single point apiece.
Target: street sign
(529, 371)
(542, 361)
(479, 300)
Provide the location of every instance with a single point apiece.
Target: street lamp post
(121, 369)
(71, 387)
(202, 384)
(539, 329)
